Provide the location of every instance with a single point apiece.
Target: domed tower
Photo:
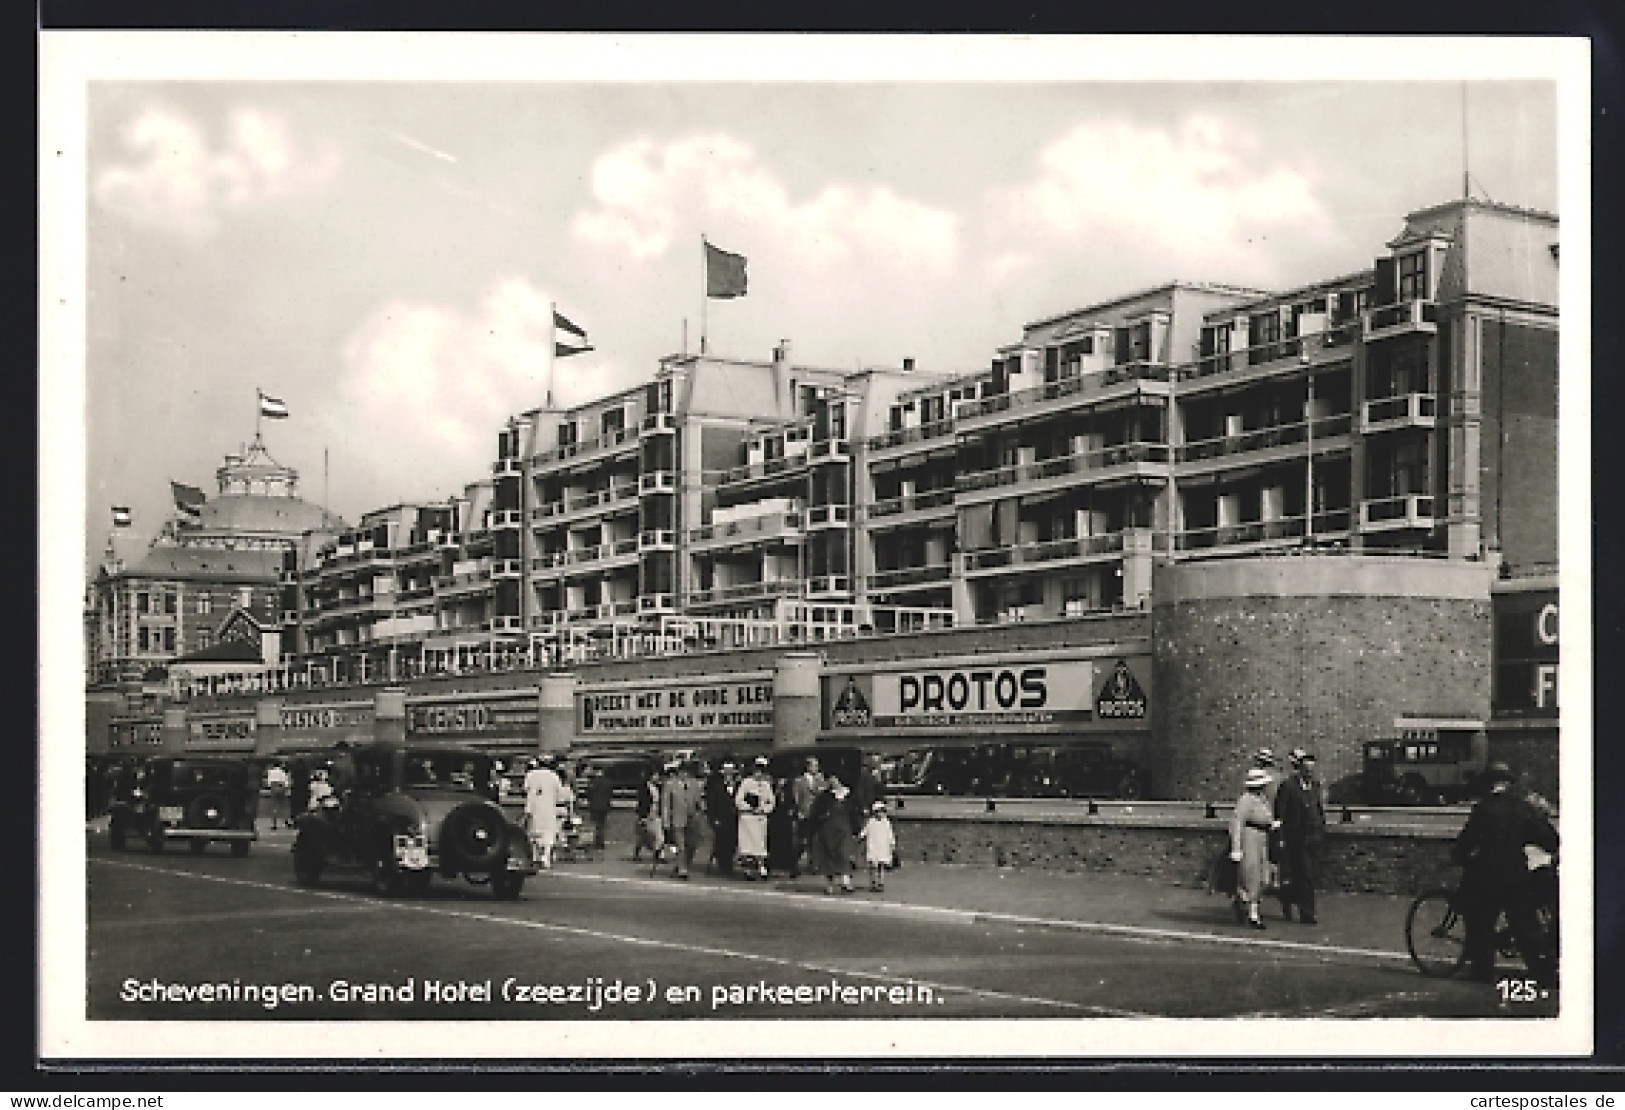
(257, 506)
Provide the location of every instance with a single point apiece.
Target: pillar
(556, 712)
(174, 732)
(389, 715)
(1137, 551)
(267, 726)
(797, 699)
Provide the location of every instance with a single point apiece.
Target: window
(205, 638)
(169, 638)
(171, 602)
(245, 597)
(1413, 276)
(142, 638)
(143, 603)
(205, 605)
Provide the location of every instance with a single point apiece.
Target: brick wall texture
(1324, 673)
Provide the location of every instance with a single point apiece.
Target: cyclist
(1496, 875)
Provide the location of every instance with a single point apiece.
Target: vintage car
(405, 813)
(199, 800)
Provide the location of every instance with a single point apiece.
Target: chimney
(908, 366)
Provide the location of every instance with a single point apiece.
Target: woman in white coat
(1250, 845)
(754, 800)
(544, 791)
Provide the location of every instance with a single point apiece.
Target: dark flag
(724, 274)
(565, 350)
(121, 516)
(188, 499)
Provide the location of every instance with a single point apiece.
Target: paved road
(690, 950)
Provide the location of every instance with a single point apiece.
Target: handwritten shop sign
(742, 705)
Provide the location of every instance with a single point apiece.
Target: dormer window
(1413, 276)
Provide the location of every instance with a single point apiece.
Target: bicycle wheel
(1436, 935)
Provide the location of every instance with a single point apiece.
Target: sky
(382, 254)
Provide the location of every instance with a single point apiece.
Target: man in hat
(1496, 876)
(724, 817)
(600, 799)
(682, 813)
(1302, 815)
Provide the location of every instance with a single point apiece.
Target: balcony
(1125, 461)
(765, 471)
(1263, 445)
(910, 508)
(609, 610)
(596, 558)
(893, 441)
(548, 560)
(1312, 351)
(1331, 524)
(658, 481)
(287, 577)
(507, 468)
(585, 504)
(610, 443)
(507, 568)
(657, 539)
(908, 577)
(1116, 382)
(290, 616)
(1404, 318)
(414, 593)
(465, 582)
(770, 528)
(508, 625)
(657, 603)
(1074, 549)
(1410, 510)
(746, 591)
(1407, 410)
(828, 516)
(658, 423)
(824, 451)
(451, 539)
(507, 518)
(422, 552)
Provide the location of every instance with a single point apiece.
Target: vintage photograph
(601, 546)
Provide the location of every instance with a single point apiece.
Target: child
(879, 845)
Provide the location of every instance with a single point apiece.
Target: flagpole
(259, 412)
(703, 291)
(552, 349)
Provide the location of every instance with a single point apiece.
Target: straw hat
(1257, 778)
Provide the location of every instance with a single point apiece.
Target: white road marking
(647, 942)
(977, 917)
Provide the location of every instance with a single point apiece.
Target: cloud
(649, 193)
(176, 177)
(444, 379)
(1202, 194)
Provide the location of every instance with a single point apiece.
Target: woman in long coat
(781, 830)
(833, 846)
(754, 801)
(1250, 845)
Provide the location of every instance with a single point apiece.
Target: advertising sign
(739, 704)
(485, 719)
(1526, 654)
(222, 734)
(997, 694)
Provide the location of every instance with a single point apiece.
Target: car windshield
(448, 770)
(187, 776)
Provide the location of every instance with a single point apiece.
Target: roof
(1166, 287)
(252, 512)
(207, 564)
(227, 651)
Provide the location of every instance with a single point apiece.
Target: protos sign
(1009, 694)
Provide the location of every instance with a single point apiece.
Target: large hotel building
(1110, 461)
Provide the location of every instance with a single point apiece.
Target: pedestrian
(723, 815)
(1264, 760)
(321, 790)
(544, 792)
(1250, 827)
(600, 797)
(754, 802)
(649, 834)
(831, 848)
(682, 814)
(1302, 814)
(867, 787)
(879, 845)
(781, 830)
(276, 779)
(806, 789)
(1496, 877)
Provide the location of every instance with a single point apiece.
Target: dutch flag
(272, 408)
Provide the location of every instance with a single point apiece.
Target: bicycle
(1436, 931)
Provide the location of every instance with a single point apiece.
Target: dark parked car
(198, 800)
(404, 813)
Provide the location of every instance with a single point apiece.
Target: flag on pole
(121, 516)
(188, 499)
(724, 274)
(272, 408)
(564, 325)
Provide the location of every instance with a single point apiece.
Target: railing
(607, 442)
(657, 481)
(1331, 522)
(829, 450)
(1081, 463)
(829, 516)
(607, 496)
(1410, 510)
(1406, 315)
(828, 585)
(1259, 439)
(908, 503)
(909, 576)
(507, 568)
(766, 468)
(746, 591)
(658, 422)
(507, 468)
(1042, 551)
(781, 525)
(462, 580)
(1405, 409)
(1083, 385)
(507, 518)
(656, 539)
(900, 436)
